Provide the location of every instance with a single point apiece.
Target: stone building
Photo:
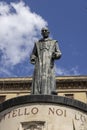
(43, 112)
(74, 87)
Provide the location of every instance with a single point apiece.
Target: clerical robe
(44, 53)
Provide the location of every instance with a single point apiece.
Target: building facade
(74, 87)
(43, 112)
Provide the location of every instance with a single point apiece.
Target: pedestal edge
(51, 99)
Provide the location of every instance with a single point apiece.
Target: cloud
(19, 28)
(62, 71)
(5, 72)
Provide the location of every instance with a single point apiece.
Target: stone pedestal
(43, 112)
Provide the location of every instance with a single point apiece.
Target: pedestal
(43, 112)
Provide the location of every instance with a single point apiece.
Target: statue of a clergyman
(44, 53)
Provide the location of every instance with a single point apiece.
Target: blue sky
(20, 23)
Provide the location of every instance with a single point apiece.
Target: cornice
(62, 82)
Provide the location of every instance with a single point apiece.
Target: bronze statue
(44, 53)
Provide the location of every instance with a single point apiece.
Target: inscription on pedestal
(39, 117)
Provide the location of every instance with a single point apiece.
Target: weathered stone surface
(43, 99)
(45, 112)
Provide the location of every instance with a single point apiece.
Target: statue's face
(45, 33)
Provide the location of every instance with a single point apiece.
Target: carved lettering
(80, 117)
(4, 116)
(26, 112)
(83, 118)
(51, 110)
(77, 117)
(58, 112)
(19, 112)
(9, 114)
(34, 110)
(64, 113)
(14, 113)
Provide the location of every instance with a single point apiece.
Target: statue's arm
(57, 53)
(33, 55)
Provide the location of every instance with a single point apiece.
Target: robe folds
(44, 53)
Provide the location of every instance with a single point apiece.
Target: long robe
(44, 53)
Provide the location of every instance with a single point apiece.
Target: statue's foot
(54, 93)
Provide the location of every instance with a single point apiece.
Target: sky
(20, 25)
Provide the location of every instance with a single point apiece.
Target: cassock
(44, 53)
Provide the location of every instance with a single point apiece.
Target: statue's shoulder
(53, 40)
(49, 39)
(36, 42)
(41, 40)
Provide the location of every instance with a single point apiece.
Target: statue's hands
(33, 59)
(56, 55)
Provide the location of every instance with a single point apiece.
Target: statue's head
(45, 32)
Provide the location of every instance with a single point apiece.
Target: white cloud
(6, 72)
(19, 28)
(63, 71)
(4, 8)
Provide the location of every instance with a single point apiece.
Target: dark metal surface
(44, 53)
(46, 99)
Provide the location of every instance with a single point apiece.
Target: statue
(44, 53)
